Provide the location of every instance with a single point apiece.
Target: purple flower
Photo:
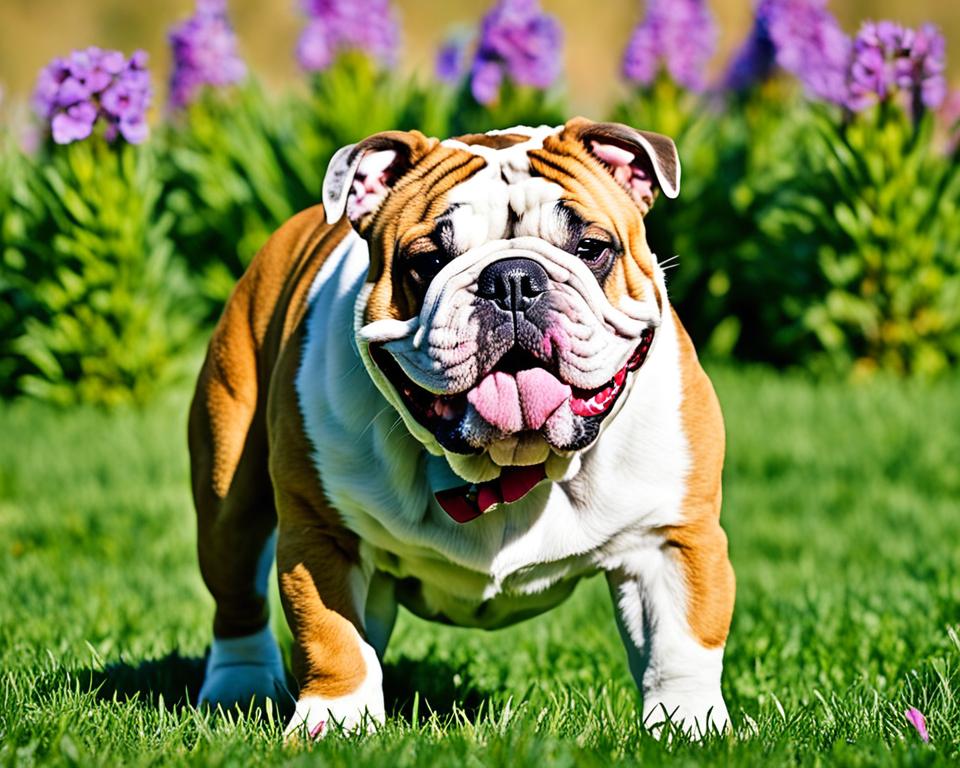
(917, 720)
(929, 55)
(678, 35)
(335, 26)
(754, 62)
(204, 53)
(91, 85)
(450, 63)
(74, 123)
(518, 41)
(950, 117)
(803, 38)
(641, 59)
(889, 58)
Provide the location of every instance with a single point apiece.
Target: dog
(459, 386)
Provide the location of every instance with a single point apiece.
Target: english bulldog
(459, 386)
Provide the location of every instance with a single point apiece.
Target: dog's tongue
(467, 502)
(522, 401)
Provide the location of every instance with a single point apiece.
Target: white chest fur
(517, 559)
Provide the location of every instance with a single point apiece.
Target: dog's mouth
(442, 414)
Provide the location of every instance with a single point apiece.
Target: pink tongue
(541, 393)
(497, 400)
(513, 403)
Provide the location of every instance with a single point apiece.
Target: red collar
(466, 502)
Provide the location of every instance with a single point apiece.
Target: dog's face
(511, 292)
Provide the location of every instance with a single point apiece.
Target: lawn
(842, 504)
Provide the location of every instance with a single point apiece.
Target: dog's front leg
(674, 604)
(323, 591)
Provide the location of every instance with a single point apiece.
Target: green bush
(236, 166)
(240, 163)
(11, 325)
(807, 235)
(102, 308)
(870, 216)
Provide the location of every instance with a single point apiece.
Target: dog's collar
(467, 502)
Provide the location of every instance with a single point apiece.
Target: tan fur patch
(495, 141)
(700, 543)
(251, 466)
(598, 198)
(417, 198)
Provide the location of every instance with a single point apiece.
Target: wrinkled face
(512, 293)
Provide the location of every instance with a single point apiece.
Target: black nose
(513, 284)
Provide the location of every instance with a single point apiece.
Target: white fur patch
(241, 669)
(316, 717)
(520, 556)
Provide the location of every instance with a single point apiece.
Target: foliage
(239, 163)
(732, 156)
(236, 166)
(88, 267)
(806, 234)
(820, 235)
(11, 318)
(842, 536)
(875, 216)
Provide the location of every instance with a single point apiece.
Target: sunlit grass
(843, 508)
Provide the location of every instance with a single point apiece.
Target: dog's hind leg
(236, 522)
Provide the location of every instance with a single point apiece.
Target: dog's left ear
(641, 161)
(360, 176)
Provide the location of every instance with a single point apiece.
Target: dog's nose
(512, 284)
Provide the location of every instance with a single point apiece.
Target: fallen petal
(917, 720)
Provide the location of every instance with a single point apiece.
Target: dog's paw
(316, 717)
(360, 711)
(695, 713)
(242, 670)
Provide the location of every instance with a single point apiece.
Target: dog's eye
(592, 249)
(424, 266)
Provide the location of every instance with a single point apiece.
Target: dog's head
(511, 292)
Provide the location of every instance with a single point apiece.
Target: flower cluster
(204, 53)
(803, 38)
(889, 58)
(679, 35)
(451, 60)
(92, 85)
(335, 26)
(519, 41)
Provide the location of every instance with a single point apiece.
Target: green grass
(842, 505)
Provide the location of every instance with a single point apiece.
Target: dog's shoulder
(270, 299)
(272, 294)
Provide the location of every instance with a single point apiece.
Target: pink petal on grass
(917, 720)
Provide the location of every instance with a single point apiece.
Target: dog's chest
(511, 562)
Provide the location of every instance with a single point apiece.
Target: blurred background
(33, 31)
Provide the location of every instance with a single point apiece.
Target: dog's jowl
(459, 386)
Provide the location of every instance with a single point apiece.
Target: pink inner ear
(369, 183)
(622, 161)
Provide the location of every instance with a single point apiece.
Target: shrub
(102, 308)
(236, 167)
(876, 218)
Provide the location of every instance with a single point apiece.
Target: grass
(842, 505)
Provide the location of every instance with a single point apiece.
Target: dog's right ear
(360, 176)
(642, 162)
